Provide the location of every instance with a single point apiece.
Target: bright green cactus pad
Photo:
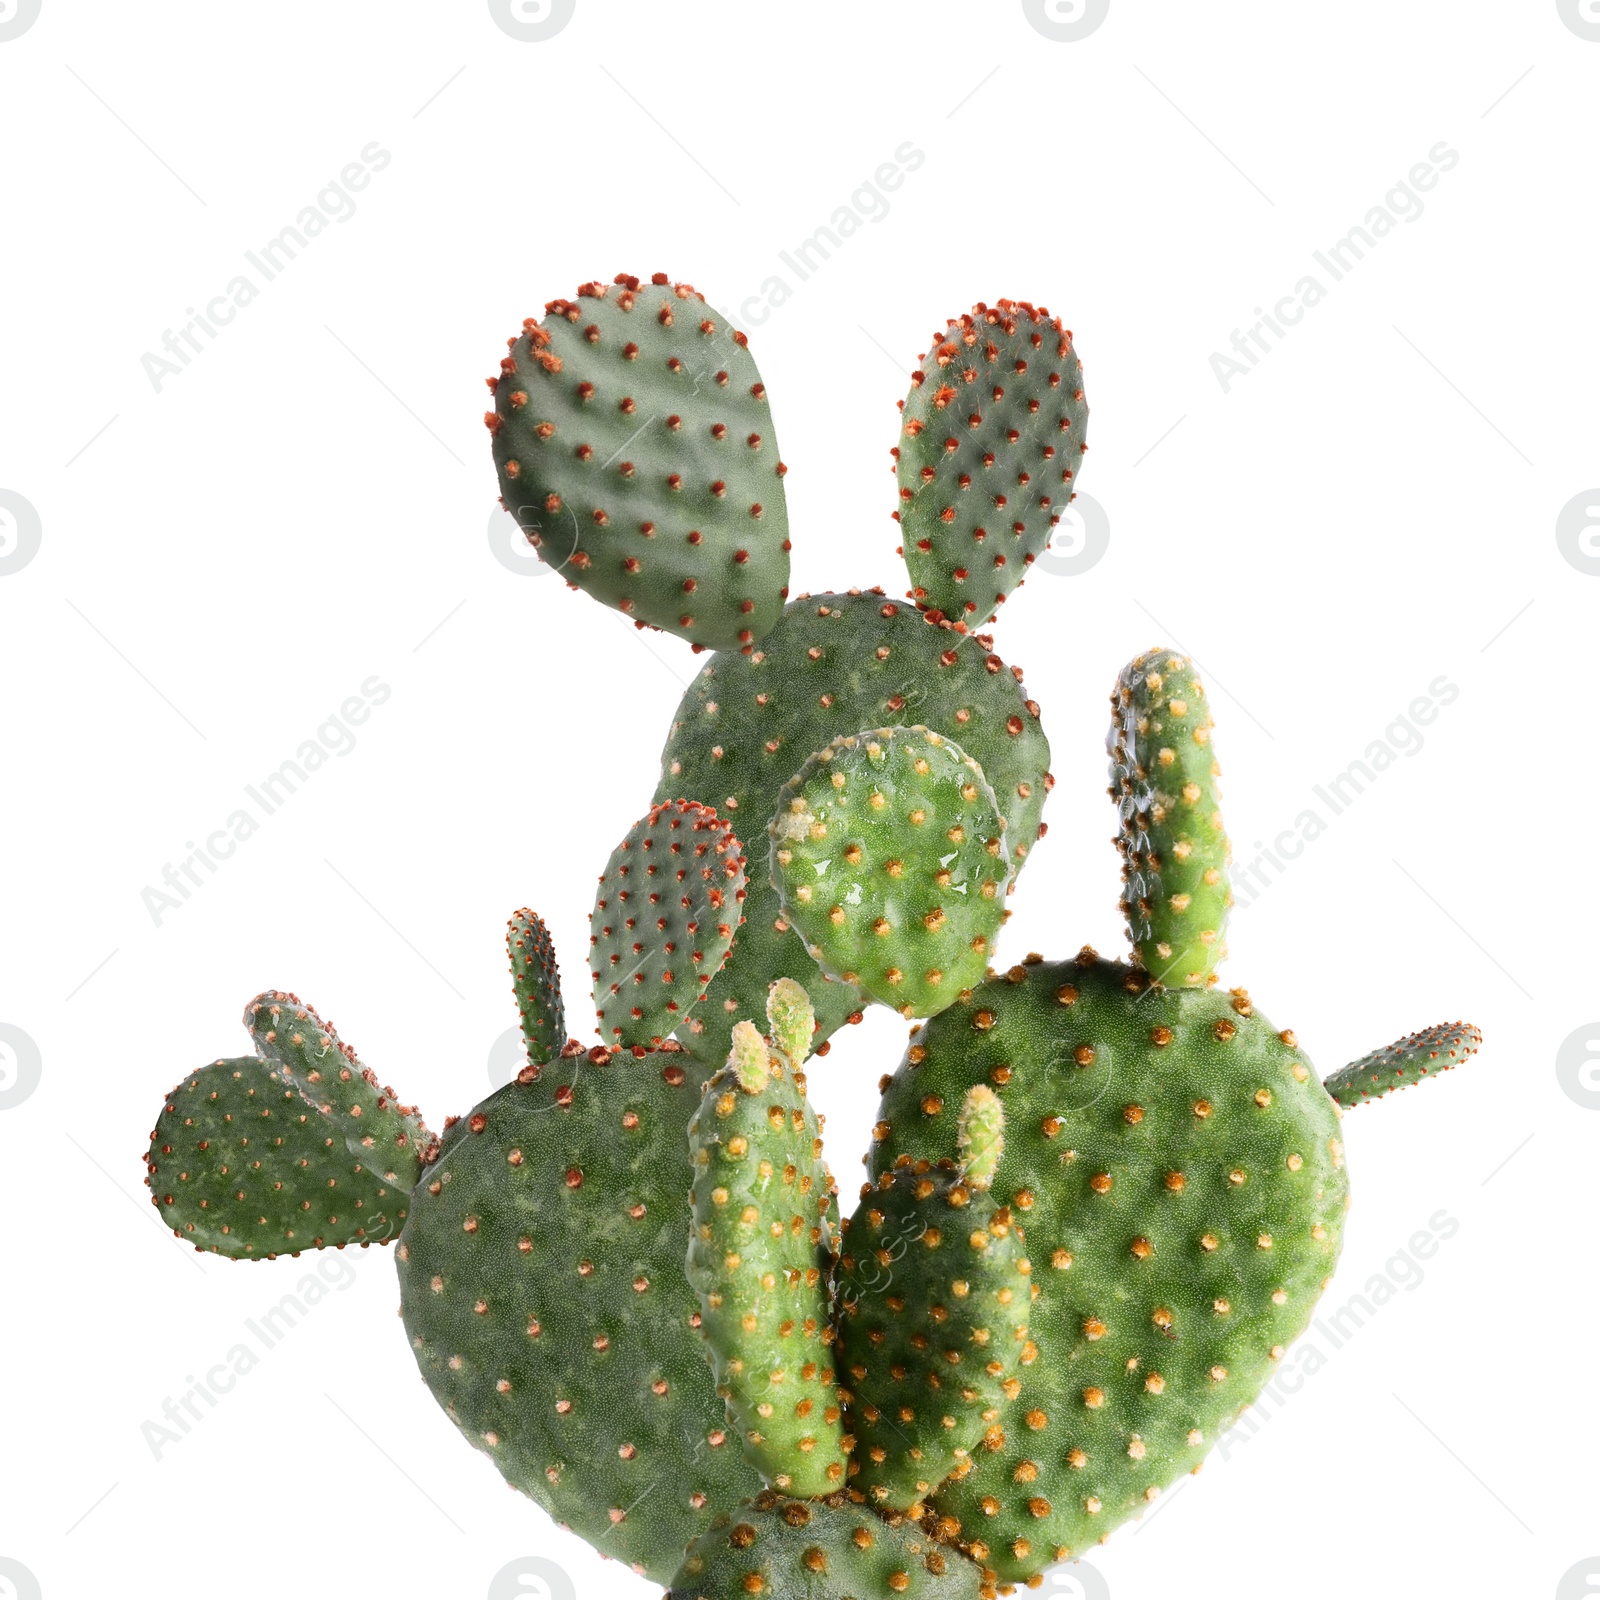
(242, 1164)
(543, 1290)
(387, 1138)
(834, 664)
(934, 1289)
(669, 902)
(1405, 1062)
(536, 982)
(992, 435)
(1174, 851)
(761, 1260)
(888, 853)
(635, 448)
(784, 1549)
(1178, 1170)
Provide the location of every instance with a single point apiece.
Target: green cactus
(834, 664)
(992, 435)
(761, 1248)
(663, 921)
(934, 1295)
(1405, 1062)
(536, 982)
(635, 448)
(786, 1549)
(888, 854)
(1175, 855)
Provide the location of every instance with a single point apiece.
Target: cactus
(635, 448)
(888, 854)
(663, 921)
(992, 436)
(1102, 1199)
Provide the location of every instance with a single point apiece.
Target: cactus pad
(820, 1550)
(1405, 1062)
(542, 1286)
(991, 438)
(761, 1260)
(1174, 851)
(1178, 1169)
(536, 981)
(888, 854)
(635, 448)
(669, 902)
(243, 1164)
(834, 664)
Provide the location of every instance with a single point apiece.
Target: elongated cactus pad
(1174, 852)
(784, 1549)
(834, 664)
(761, 1260)
(992, 434)
(243, 1164)
(1178, 1170)
(934, 1291)
(542, 1286)
(670, 899)
(536, 981)
(888, 853)
(635, 448)
(793, 1020)
(1405, 1062)
(387, 1138)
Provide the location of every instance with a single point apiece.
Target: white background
(306, 505)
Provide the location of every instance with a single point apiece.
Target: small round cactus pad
(669, 902)
(635, 449)
(1178, 1170)
(992, 434)
(834, 664)
(888, 853)
(781, 1549)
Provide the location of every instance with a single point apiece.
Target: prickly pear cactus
(820, 1550)
(635, 448)
(991, 437)
(1405, 1062)
(1178, 1170)
(888, 853)
(536, 982)
(669, 902)
(835, 664)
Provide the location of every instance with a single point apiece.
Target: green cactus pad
(669, 902)
(834, 664)
(536, 981)
(242, 1164)
(1174, 852)
(761, 1260)
(888, 854)
(1405, 1062)
(793, 1020)
(934, 1289)
(992, 435)
(1178, 1170)
(635, 448)
(784, 1549)
(387, 1138)
(542, 1286)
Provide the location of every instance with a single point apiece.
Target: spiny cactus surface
(1174, 850)
(834, 664)
(243, 1164)
(1178, 1171)
(536, 982)
(787, 1549)
(635, 448)
(1405, 1062)
(991, 438)
(888, 854)
(669, 902)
